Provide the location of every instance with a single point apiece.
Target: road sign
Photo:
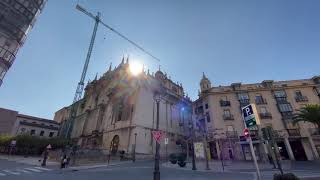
(246, 132)
(250, 115)
(199, 150)
(157, 136)
(166, 141)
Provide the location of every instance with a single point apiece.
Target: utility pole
(156, 173)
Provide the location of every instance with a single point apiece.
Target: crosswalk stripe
(34, 170)
(1, 174)
(42, 168)
(11, 172)
(21, 170)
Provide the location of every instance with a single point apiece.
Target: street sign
(166, 141)
(49, 146)
(13, 143)
(157, 136)
(199, 150)
(250, 115)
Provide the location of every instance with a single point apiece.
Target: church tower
(205, 83)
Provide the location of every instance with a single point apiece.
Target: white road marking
(24, 171)
(1, 174)
(11, 172)
(34, 170)
(42, 168)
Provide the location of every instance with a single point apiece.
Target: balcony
(261, 100)
(224, 103)
(6, 57)
(265, 115)
(301, 98)
(293, 132)
(281, 100)
(232, 134)
(287, 115)
(228, 117)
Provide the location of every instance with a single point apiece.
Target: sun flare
(135, 68)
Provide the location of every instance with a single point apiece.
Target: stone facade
(118, 110)
(13, 123)
(276, 101)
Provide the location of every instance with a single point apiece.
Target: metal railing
(6, 56)
(314, 131)
(244, 102)
(301, 98)
(281, 100)
(228, 117)
(287, 115)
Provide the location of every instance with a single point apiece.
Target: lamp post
(134, 149)
(192, 145)
(156, 173)
(205, 143)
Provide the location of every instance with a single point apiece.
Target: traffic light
(267, 133)
(246, 132)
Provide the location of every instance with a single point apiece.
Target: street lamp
(134, 149)
(192, 145)
(205, 143)
(156, 173)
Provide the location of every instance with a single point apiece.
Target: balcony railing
(265, 115)
(244, 102)
(314, 131)
(301, 98)
(261, 101)
(293, 132)
(228, 117)
(6, 56)
(281, 100)
(232, 134)
(224, 103)
(287, 115)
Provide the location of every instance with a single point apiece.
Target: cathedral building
(118, 112)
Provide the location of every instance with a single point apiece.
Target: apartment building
(219, 109)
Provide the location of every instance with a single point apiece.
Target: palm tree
(309, 113)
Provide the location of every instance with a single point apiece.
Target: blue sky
(230, 40)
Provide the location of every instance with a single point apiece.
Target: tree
(309, 113)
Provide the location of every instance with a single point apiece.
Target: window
(263, 110)
(226, 112)
(208, 117)
(207, 106)
(22, 130)
(51, 134)
(285, 107)
(259, 99)
(32, 132)
(120, 113)
(279, 94)
(243, 96)
(298, 93)
(41, 133)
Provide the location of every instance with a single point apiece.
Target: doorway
(283, 151)
(298, 150)
(114, 144)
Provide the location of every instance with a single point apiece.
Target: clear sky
(230, 40)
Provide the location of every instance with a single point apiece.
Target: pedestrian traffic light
(246, 132)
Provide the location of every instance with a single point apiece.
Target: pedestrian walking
(63, 161)
(45, 157)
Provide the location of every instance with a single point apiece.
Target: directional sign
(157, 136)
(250, 115)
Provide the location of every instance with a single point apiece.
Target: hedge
(31, 145)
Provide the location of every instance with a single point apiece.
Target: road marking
(1, 174)
(42, 168)
(11, 172)
(34, 170)
(21, 170)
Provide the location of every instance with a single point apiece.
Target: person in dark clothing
(45, 157)
(63, 161)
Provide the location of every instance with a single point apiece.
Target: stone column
(313, 148)
(289, 150)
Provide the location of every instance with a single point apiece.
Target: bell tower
(205, 83)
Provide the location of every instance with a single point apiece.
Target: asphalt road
(129, 171)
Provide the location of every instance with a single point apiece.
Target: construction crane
(67, 126)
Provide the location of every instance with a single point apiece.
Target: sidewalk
(216, 166)
(30, 160)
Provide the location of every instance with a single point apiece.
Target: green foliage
(31, 145)
(309, 113)
(288, 176)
